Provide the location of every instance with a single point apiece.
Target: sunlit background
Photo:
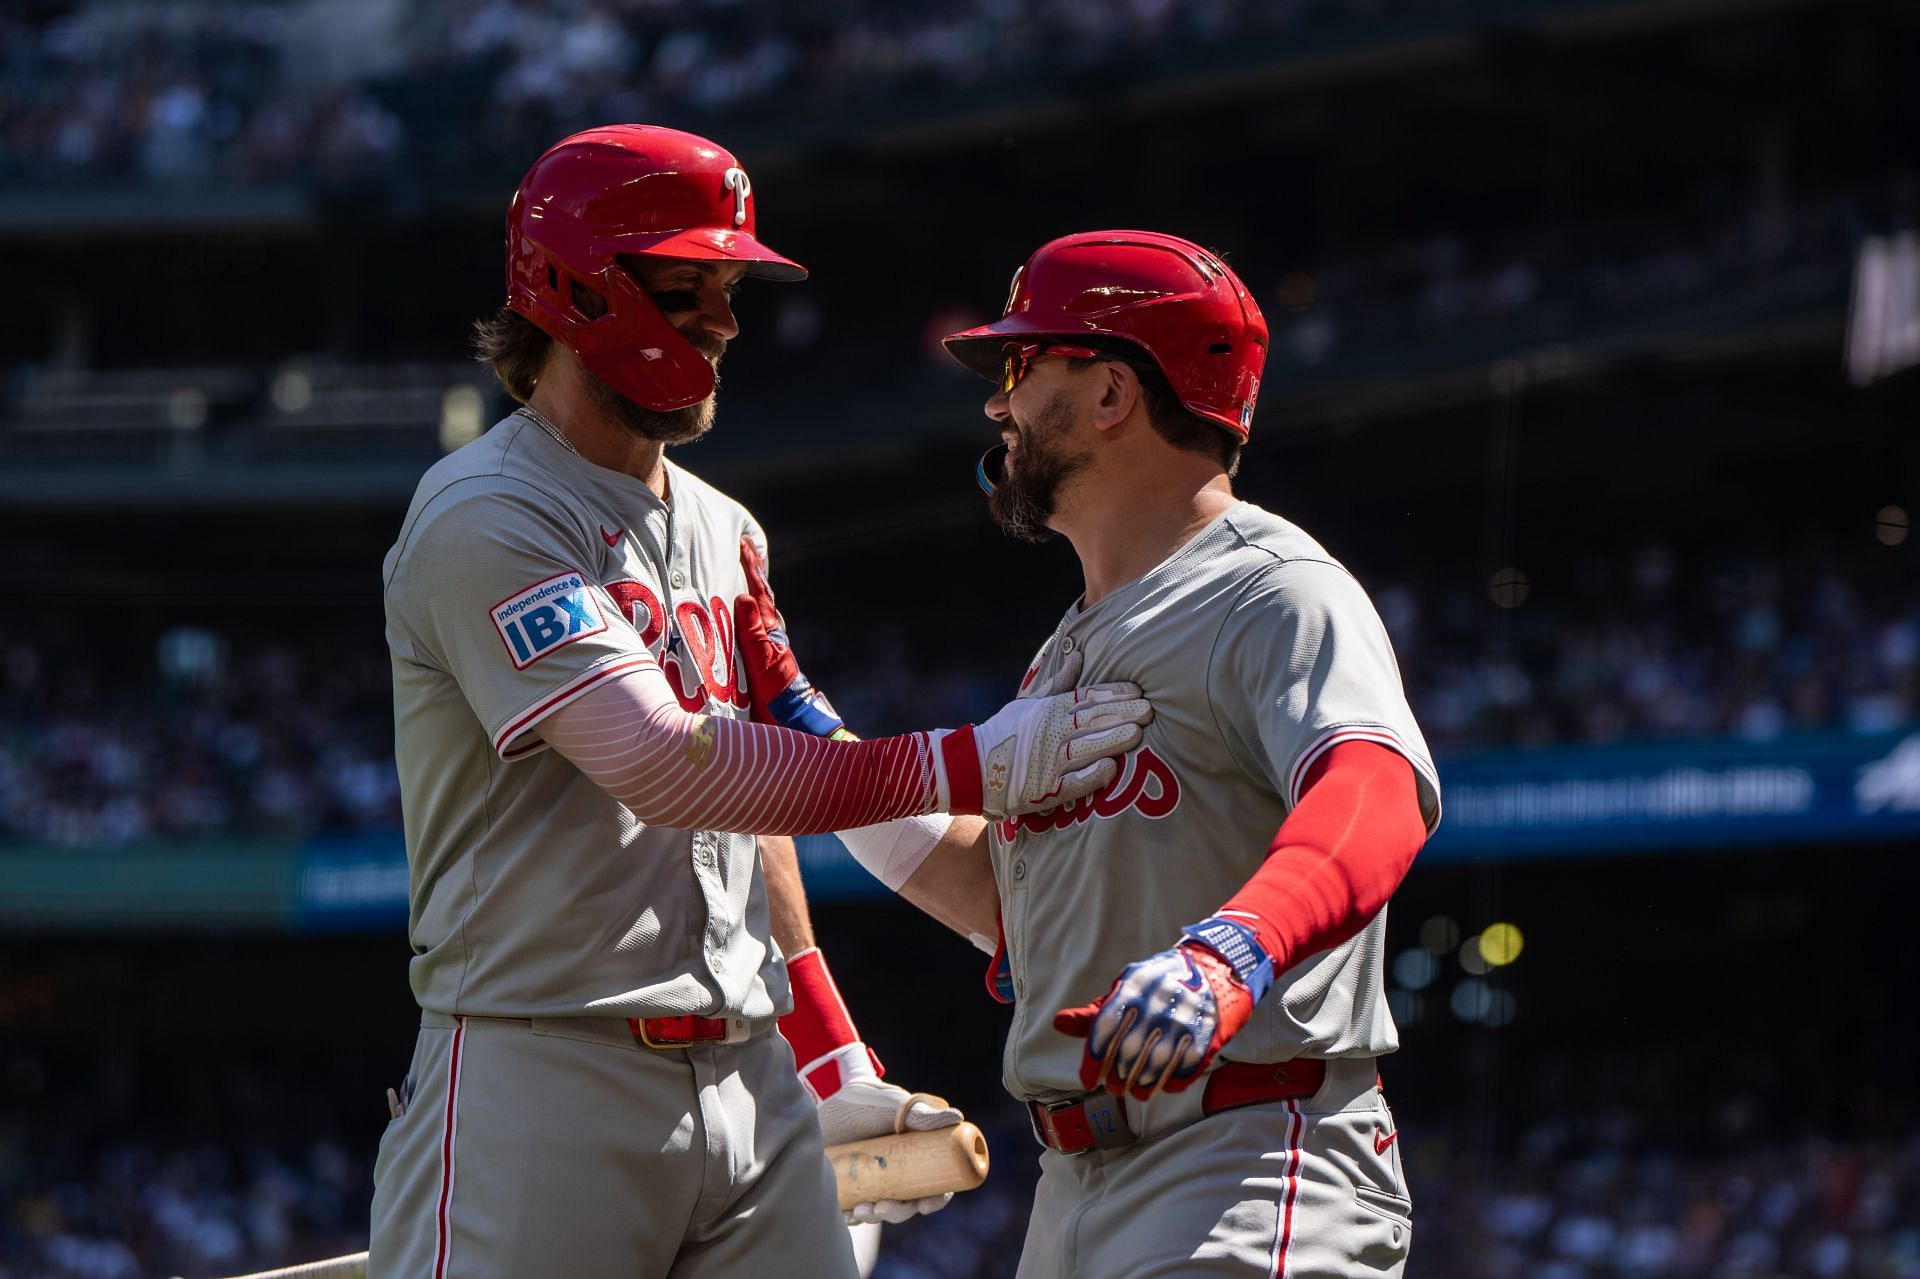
(1593, 331)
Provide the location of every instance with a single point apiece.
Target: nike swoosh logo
(1382, 1141)
(613, 538)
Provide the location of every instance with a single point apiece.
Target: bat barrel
(910, 1165)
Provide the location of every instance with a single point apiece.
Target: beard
(1031, 477)
(676, 426)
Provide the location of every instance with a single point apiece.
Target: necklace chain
(534, 416)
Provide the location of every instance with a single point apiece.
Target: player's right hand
(779, 692)
(863, 1106)
(1037, 753)
(1166, 1016)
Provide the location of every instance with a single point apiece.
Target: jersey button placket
(706, 856)
(1015, 922)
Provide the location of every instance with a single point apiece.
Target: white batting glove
(1061, 681)
(1037, 753)
(864, 1105)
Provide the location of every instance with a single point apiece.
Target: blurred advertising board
(1678, 795)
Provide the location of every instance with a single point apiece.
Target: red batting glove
(1160, 1025)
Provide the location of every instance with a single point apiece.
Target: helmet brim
(713, 244)
(983, 350)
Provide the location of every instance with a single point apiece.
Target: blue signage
(347, 883)
(1672, 795)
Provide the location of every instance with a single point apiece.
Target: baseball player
(598, 1088)
(1194, 952)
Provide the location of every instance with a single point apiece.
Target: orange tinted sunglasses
(1021, 355)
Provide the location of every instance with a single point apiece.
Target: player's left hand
(863, 1105)
(780, 693)
(1166, 1016)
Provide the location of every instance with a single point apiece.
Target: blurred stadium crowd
(1426, 286)
(1442, 295)
(96, 1187)
(1652, 643)
(239, 92)
(269, 736)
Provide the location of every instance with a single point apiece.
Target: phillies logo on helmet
(1146, 784)
(742, 187)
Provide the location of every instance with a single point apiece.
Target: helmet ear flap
(643, 356)
(587, 302)
(628, 344)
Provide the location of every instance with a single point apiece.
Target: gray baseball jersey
(524, 576)
(1259, 653)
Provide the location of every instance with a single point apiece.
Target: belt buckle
(640, 1028)
(738, 1031)
(1103, 1119)
(1044, 1131)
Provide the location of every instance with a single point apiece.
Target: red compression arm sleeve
(701, 772)
(1339, 855)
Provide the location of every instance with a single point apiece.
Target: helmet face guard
(1168, 297)
(629, 189)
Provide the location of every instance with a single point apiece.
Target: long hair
(515, 348)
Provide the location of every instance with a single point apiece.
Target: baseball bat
(902, 1165)
(909, 1165)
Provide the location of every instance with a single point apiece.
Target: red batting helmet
(629, 188)
(1169, 297)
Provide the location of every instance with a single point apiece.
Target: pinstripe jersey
(524, 576)
(1259, 653)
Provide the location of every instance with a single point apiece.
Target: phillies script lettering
(1146, 783)
(706, 639)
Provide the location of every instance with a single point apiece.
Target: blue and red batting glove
(781, 694)
(1166, 1016)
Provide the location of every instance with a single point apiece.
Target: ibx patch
(547, 615)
